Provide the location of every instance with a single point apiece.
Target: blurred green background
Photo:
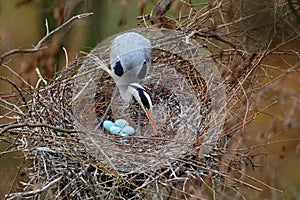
(274, 134)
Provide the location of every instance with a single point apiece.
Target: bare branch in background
(159, 10)
(38, 46)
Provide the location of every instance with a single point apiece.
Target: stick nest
(72, 158)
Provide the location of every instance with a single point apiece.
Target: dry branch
(39, 46)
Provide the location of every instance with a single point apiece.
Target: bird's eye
(118, 69)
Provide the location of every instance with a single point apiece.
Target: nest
(72, 158)
(182, 105)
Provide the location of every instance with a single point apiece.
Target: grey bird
(130, 59)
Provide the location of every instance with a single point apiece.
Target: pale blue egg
(115, 130)
(107, 124)
(121, 123)
(128, 130)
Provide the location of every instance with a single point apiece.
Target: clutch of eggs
(119, 127)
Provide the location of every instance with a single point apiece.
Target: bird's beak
(149, 116)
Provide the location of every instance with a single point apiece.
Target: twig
(219, 38)
(151, 181)
(16, 176)
(66, 56)
(17, 88)
(33, 192)
(18, 110)
(5, 129)
(18, 76)
(47, 27)
(40, 78)
(38, 46)
(160, 8)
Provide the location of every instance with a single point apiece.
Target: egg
(120, 127)
(107, 124)
(128, 130)
(115, 130)
(121, 123)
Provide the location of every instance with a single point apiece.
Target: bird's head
(130, 57)
(131, 66)
(144, 99)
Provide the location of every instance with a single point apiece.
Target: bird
(130, 59)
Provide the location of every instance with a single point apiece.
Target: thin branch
(160, 9)
(12, 126)
(47, 27)
(61, 27)
(219, 38)
(16, 176)
(33, 192)
(38, 46)
(5, 129)
(17, 109)
(18, 76)
(17, 88)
